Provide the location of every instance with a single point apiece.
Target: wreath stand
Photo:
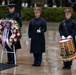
(5, 51)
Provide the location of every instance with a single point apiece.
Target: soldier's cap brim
(68, 13)
(11, 5)
(67, 10)
(37, 9)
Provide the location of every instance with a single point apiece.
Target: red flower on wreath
(11, 26)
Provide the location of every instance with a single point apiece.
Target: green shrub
(3, 10)
(49, 14)
(27, 13)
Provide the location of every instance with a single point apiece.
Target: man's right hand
(63, 37)
(29, 39)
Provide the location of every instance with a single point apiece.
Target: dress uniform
(50, 3)
(67, 29)
(37, 28)
(15, 16)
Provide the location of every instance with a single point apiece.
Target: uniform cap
(11, 5)
(68, 10)
(37, 9)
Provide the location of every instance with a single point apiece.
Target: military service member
(14, 16)
(37, 28)
(67, 29)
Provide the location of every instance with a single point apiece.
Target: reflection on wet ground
(52, 63)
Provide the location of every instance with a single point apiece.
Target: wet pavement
(51, 64)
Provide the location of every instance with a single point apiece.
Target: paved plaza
(51, 64)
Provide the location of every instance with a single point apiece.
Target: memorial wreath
(9, 32)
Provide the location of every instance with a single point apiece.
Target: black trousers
(50, 3)
(0, 2)
(10, 56)
(29, 2)
(73, 1)
(37, 58)
(67, 64)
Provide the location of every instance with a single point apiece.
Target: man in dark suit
(50, 3)
(67, 2)
(5, 2)
(14, 16)
(0, 2)
(29, 3)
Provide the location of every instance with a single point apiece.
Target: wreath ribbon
(5, 35)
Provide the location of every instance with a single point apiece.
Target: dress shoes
(33, 64)
(36, 65)
(10, 62)
(64, 67)
(69, 67)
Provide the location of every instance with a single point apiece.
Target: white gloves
(63, 37)
(69, 37)
(38, 31)
(29, 39)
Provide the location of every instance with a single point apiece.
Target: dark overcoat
(15, 16)
(37, 39)
(68, 27)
